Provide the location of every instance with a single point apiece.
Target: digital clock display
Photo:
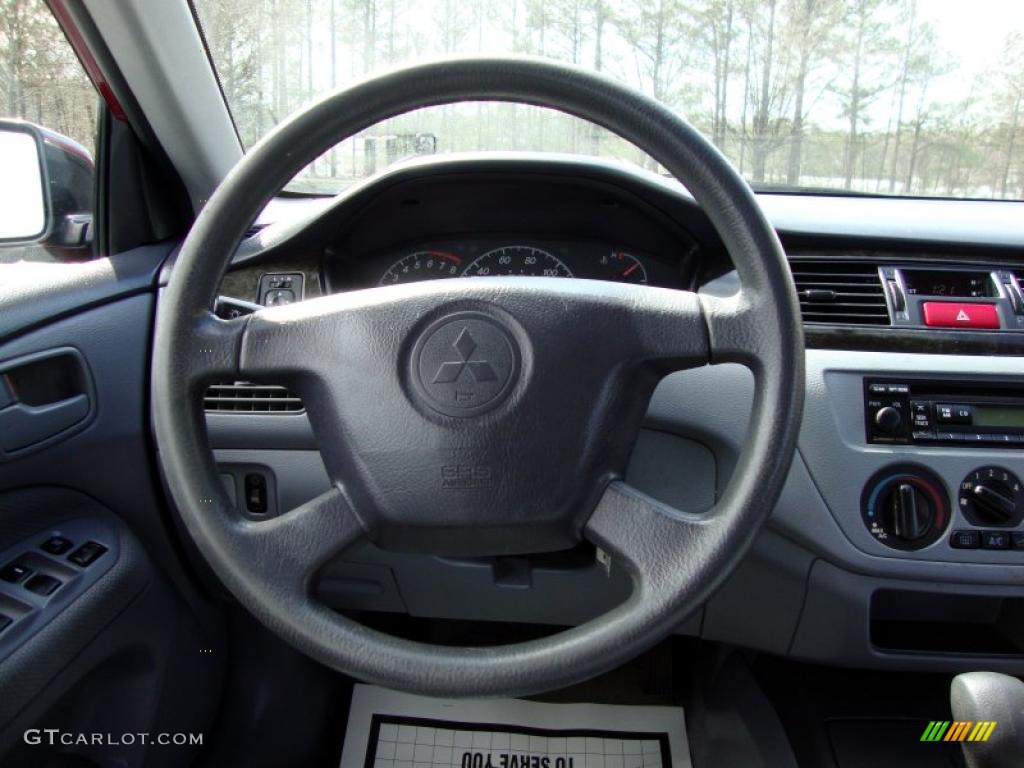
(960, 285)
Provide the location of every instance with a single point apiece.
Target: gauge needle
(632, 269)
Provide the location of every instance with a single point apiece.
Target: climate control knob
(992, 496)
(909, 512)
(905, 507)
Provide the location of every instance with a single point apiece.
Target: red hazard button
(950, 314)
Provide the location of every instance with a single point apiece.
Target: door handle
(44, 397)
(24, 425)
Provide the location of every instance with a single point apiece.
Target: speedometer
(422, 265)
(517, 260)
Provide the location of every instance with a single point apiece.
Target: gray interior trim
(835, 625)
(37, 293)
(974, 222)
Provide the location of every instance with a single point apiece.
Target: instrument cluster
(481, 258)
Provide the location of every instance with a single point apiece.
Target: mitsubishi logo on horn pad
(464, 364)
(465, 345)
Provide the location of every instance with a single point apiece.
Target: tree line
(41, 80)
(839, 94)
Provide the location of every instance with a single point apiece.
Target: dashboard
(903, 515)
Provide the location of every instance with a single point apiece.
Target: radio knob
(888, 419)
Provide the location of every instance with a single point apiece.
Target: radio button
(952, 314)
(952, 413)
(921, 414)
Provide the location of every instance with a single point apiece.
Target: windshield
(893, 97)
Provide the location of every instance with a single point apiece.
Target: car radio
(902, 411)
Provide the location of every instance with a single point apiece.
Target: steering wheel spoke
(736, 327)
(295, 544)
(651, 540)
(289, 343)
(669, 328)
(212, 351)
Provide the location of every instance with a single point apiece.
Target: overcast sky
(974, 31)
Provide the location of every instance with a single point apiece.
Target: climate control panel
(906, 507)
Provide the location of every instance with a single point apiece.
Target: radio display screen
(998, 416)
(960, 285)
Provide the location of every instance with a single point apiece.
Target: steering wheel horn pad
(481, 416)
(465, 364)
(519, 473)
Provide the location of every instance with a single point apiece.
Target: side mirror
(45, 189)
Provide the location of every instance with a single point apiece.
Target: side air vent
(242, 397)
(839, 292)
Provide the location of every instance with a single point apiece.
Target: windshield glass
(895, 97)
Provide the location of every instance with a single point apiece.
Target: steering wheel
(484, 416)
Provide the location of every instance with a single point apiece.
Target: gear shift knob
(981, 696)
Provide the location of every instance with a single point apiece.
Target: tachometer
(517, 260)
(622, 267)
(422, 265)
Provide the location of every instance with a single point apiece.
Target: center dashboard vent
(839, 292)
(243, 397)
